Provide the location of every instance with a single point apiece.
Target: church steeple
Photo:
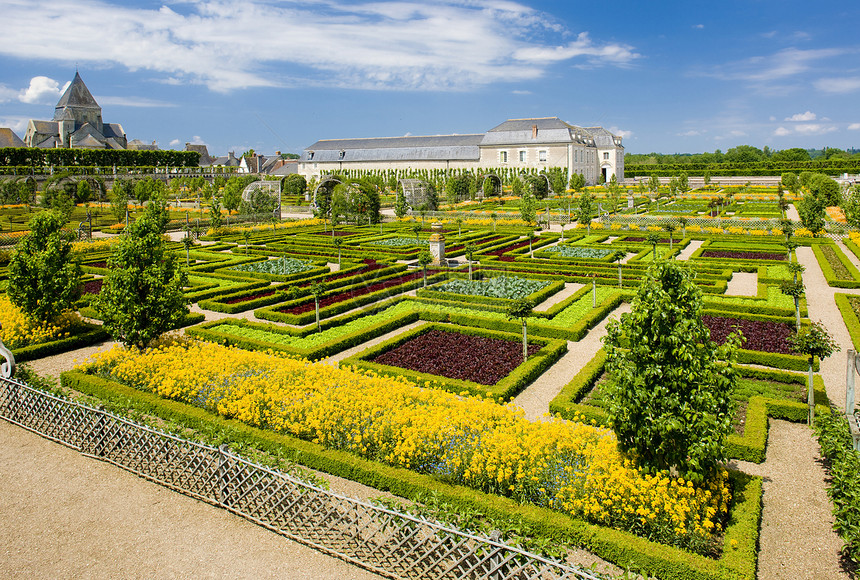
(78, 101)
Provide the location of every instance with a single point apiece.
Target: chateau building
(526, 144)
(77, 123)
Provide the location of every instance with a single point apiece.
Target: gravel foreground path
(69, 516)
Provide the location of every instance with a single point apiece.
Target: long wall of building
(527, 144)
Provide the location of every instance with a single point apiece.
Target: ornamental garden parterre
(417, 379)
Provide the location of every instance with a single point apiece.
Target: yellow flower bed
(19, 330)
(569, 466)
(836, 214)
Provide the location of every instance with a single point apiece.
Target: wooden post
(594, 290)
(221, 491)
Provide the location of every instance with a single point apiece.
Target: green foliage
(508, 287)
(457, 188)
(586, 209)
(295, 185)
(215, 219)
(119, 195)
(400, 206)
(577, 182)
(43, 276)
(834, 437)
(670, 396)
(282, 266)
(813, 341)
(34, 156)
(527, 207)
(851, 206)
(811, 210)
(790, 181)
(537, 185)
(826, 189)
(142, 294)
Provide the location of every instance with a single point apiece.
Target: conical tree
(670, 401)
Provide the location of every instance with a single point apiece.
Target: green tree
(811, 210)
(654, 185)
(670, 226)
(44, 278)
(851, 206)
(424, 259)
(617, 256)
(813, 341)
(215, 219)
(457, 188)
(318, 290)
(119, 196)
(84, 192)
(790, 182)
(400, 206)
(653, 239)
(577, 182)
(522, 308)
(586, 210)
(527, 207)
(670, 401)
(295, 185)
(826, 189)
(416, 229)
(142, 294)
(470, 255)
(338, 242)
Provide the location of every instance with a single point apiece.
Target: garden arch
(418, 193)
(496, 182)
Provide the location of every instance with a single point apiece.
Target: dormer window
(342, 153)
(310, 155)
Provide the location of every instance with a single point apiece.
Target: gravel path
(796, 541)
(68, 516)
(743, 284)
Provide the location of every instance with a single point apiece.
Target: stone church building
(77, 123)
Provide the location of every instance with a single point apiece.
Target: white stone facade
(526, 144)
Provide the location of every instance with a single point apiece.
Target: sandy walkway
(535, 398)
(796, 541)
(68, 516)
(742, 284)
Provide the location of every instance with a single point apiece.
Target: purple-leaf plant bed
(458, 356)
(760, 335)
(743, 255)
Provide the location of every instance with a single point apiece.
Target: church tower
(78, 104)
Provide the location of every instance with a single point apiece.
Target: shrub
(670, 396)
(43, 278)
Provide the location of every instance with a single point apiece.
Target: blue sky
(280, 74)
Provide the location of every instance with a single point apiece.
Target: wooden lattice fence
(389, 543)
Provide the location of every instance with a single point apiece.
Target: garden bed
(450, 354)
(743, 255)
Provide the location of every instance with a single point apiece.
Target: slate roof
(410, 148)
(77, 95)
(8, 138)
(602, 137)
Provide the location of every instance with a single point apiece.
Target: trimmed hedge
(850, 318)
(829, 274)
(750, 446)
(738, 561)
(85, 335)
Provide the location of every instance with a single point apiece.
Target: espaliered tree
(522, 308)
(670, 227)
(142, 294)
(670, 388)
(44, 277)
(653, 239)
(338, 242)
(813, 341)
(617, 256)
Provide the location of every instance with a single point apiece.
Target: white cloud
(698, 26)
(42, 90)
(142, 102)
(582, 46)
(197, 140)
(814, 129)
(7, 94)
(403, 45)
(781, 65)
(782, 132)
(690, 133)
(854, 127)
(807, 116)
(621, 132)
(17, 124)
(174, 143)
(838, 85)
(521, 92)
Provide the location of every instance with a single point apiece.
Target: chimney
(534, 131)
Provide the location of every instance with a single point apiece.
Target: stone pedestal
(437, 245)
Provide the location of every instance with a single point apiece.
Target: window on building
(541, 155)
(342, 154)
(523, 157)
(503, 156)
(310, 155)
(606, 155)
